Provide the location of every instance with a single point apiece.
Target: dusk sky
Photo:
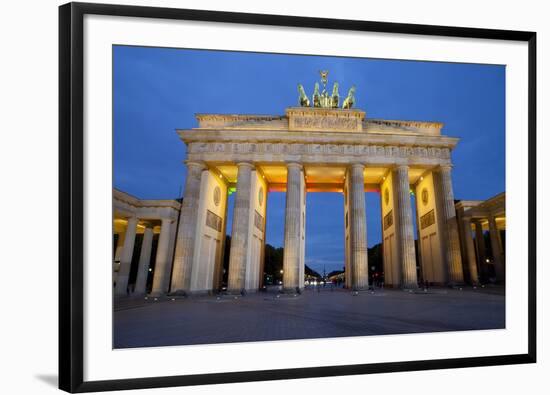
(158, 90)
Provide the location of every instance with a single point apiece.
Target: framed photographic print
(263, 197)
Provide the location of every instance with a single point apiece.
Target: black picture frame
(71, 223)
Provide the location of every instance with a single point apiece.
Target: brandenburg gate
(312, 149)
(321, 145)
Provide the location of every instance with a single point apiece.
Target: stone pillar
(126, 257)
(358, 228)
(405, 230)
(144, 259)
(239, 231)
(469, 249)
(185, 242)
(119, 246)
(480, 245)
(497, 249)
(291, 258)
(118, 254)
(161, 274)
(455, 274)
(419, 246)
(262, 259)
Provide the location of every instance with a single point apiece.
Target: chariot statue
(303, 99)
(349, 101)
(335, 96)
(322, 99)
(316, 96)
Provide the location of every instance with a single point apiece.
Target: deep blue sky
(157, 90)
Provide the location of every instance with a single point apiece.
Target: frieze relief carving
(388, 219)
(313, 149)
(427, 219)
(213, 221)
(258, 221)
(324, 123)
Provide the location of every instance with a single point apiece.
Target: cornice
(313, 137)
(124, 197)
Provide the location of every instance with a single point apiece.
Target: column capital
(148, 225)
(357, 165)
(245, 164)
(401, 167)
(195, 164)
(294, 165)
(445, 168)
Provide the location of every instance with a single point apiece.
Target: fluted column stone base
(239, 231)
(292, 252)
(470, 250)
(186, 236)
(405, 229)
(455, 274)
(358, 229)
(121, 287)
(144, 259)
(497, 250)
(161, 275)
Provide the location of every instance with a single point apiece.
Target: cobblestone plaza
(324, 313)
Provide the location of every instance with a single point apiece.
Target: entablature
(319, 153)
(126, 205)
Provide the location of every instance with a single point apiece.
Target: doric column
(185, 239)
(470, 251)
(144, 259)
(405, 229)
(119, 246)
(239, 231)
(497, 249)
(161, 274)
(480, 245)
(118, 254)
(358, 228)
(126, 257)
(291, 258)
(452, 253)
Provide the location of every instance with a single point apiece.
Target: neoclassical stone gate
(312, 149)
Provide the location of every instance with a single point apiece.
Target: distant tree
(273, 262)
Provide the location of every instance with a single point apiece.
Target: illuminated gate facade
(308, 150)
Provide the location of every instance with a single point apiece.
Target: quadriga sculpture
(335, 96)
(316, 96)
(303, 99)
(349, 101)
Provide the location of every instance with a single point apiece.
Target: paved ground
(264, 316)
